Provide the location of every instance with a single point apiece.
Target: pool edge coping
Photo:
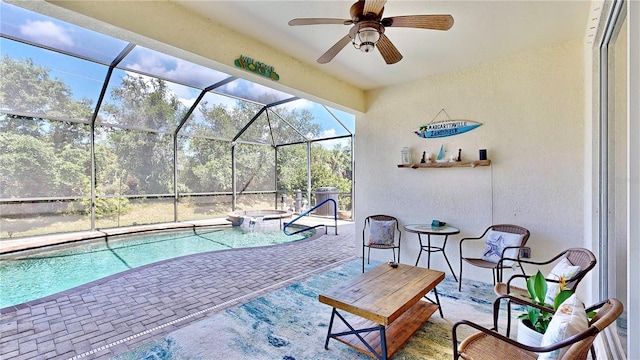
(17, 307)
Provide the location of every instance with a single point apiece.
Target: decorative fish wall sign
(446, 128)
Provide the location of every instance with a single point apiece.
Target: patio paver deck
(113, 315)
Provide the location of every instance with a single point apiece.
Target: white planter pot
(526, 335)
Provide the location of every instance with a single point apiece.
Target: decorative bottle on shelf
(406, 156)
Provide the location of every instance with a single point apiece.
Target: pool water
(38, 275)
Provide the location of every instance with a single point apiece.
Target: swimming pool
(33, 276)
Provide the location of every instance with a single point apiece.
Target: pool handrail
(335, 219)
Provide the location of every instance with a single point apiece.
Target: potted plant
(534, 322)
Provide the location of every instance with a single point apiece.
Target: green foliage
(134, 148)
(112, 206)
(329, 167)
(144, 103)
(26, 165)
(292, 167)
(537, 287)
(28, 87)
(560, 298)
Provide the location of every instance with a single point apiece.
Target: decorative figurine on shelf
(459, 155)
(406, 155)
(424, 158)
(441, 153)
(483, 154)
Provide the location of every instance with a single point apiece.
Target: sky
(85, 78)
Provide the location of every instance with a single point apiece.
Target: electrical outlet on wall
(525, 253)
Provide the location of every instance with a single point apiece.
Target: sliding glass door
(613, 163)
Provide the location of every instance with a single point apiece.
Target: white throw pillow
(496, 242)
(569, 319)
(382, 232)
(563, 268)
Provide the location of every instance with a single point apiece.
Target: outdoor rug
(291, 324)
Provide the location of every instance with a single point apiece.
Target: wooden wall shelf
(448, 164)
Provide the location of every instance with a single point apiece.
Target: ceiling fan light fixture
(366, 39)
(369, 28)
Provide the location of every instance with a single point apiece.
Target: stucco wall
(532, 109)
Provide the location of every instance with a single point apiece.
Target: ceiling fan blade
(389, 53)
(334, 50)
(319, 21)
(433, 22)
(373, 6)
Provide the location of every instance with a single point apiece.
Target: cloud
(298, 105)
(227, 102)
(183, 92)
(47, 33)
(190, 73)
(330, 144)
(186, 95)
(174, 69)
(328, 133)
(187, 102)
(231, 87)
(213, 99)
(256, 91)
(245, 89)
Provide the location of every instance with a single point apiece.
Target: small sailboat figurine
(441, 153)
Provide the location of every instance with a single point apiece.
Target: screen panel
(255, 168)
(45, 83)
(247, 90)
(156, 64)
(132, 162)
(312, 119)
(247, 202)
(49, 32)
(204, 165)
(33, 218)
(204, 207)
(141, 102)
(125, 211)
(331, 166)
(43, 158)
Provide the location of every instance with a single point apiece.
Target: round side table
(427, 229)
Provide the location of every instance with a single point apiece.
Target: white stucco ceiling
(482, 31)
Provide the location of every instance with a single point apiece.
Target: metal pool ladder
(334, 226)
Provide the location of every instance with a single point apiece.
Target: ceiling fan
(368, 29)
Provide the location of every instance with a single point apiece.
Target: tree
(144, 103)
(27, 166)
(40, 157)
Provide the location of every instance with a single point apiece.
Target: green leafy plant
(537, 287)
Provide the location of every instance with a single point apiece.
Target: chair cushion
(382, 232)
(569, 319)
(564, 269)
(496, 241)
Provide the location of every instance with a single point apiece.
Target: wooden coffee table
(387, 303)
